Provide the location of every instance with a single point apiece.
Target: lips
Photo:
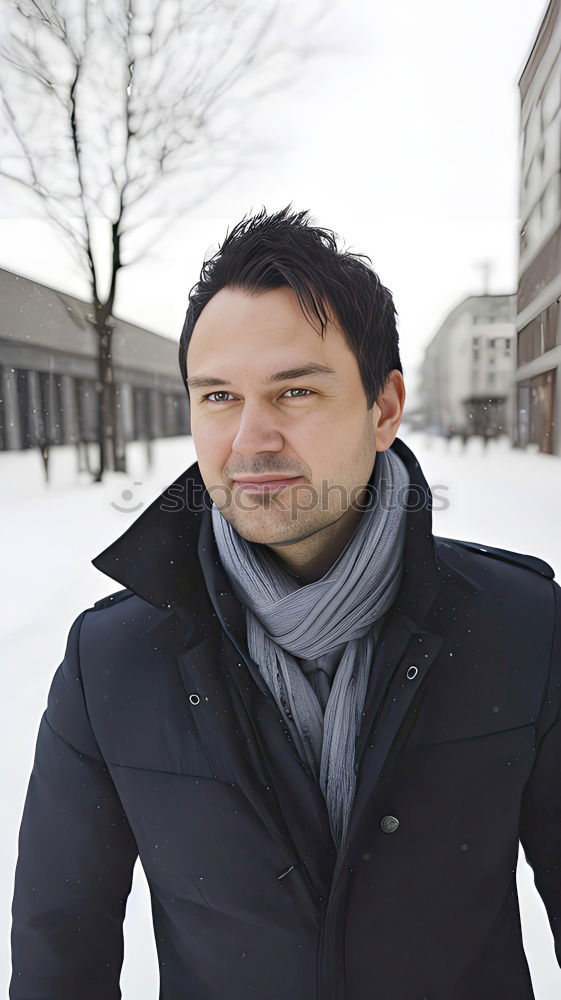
(267, 484)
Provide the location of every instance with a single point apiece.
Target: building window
(141, 410)
(171, 415)
(31, 417)
(52, 409)
(539, 335)
(88, 413)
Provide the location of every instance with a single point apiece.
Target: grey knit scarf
(314, 643)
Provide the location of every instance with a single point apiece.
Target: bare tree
(116, 104)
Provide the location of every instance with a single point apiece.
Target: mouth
(266, 485)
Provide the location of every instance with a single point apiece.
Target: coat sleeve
(76, 855)
(540, 821)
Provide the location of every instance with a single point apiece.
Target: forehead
(236, 324)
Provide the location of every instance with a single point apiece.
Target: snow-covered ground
(497, 496)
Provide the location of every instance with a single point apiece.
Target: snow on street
(498, 496)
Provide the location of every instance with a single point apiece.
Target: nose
(256, 431)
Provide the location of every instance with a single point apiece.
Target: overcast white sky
(406, 145)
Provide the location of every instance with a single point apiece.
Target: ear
(390, 402)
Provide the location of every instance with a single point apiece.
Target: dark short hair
(284, 249)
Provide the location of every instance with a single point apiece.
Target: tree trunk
(104, 387)
(112, 446)
(44, 449)
(119, 442)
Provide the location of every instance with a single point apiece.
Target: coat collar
(158, 556)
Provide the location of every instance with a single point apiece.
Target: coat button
(194, 699)
(412, 672)
(389, 824)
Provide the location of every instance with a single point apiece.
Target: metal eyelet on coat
(412, 672)
(389, 824)
(194, 699)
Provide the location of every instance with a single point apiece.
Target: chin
(257, 535)
(259, 532)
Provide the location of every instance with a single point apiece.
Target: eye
(216, 402)
(297, 389)
(209, 394)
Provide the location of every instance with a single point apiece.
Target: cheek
(211, 449)
(206, 433)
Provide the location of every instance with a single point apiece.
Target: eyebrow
(204, 381)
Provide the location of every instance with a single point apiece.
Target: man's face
(313, 427)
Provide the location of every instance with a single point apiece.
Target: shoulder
(121, 614)
(121, 632)
(113, 622)
(521, 559)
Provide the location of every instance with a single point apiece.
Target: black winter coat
(161, 739)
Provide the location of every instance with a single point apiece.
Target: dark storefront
(536, 398)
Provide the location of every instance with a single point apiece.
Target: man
(323, 729)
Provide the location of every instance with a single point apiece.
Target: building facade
(48, 373)
(468, 369)
(538, 374)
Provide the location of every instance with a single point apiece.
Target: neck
(309, 558)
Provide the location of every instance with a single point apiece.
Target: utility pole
(486, 267)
